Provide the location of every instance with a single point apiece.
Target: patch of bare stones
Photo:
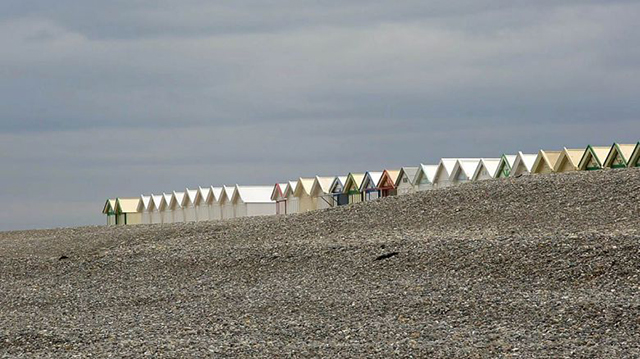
(538, 266)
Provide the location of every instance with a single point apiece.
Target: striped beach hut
(404, 182)
(568, 160)
(464, 170)
(337, 191)
(619, 155)
(353, 187)
(387, 183)
(545, 162)
(423, 179)
(523, 164)
(321, 192)
(109, 210)
(506, 163)
(593, 158)
(487, 169)
(369, 186)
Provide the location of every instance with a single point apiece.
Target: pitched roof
(490, 164)
(635, 156)
(109, 206)
(599, 153)
(624, 150)
(227, 193)
(253, 194)
(410, 172)
(355, 179)
(571, 155)
(291, 188)
(191, 195)
(322, 184)
(339, 181)
(550, 158)
(216, 193)
(468, 166)
(425, 170)
(127, 205)
(204, 194)
(447, 165)
(304, 184)
(372, 179)
(278, 190)
(526, 159)
(176, 199)
(167, 199)
(156, 201)
(143, 204)
(391, 175)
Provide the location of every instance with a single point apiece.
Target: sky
(117, 98)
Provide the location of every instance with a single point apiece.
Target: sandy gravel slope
(544, 266)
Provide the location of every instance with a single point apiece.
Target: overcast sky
(117, 98)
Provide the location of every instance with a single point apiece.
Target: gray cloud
(106, 98)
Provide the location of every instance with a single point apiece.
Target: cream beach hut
(442, 178)
(337, 192)
(593, 158)
(144, 207)
(226, 202)
(303, 194)
(167, 213)
(487, 169)
(277, 195)
(635, 157)
(109, 210)
(545, 162)
(202, 207)
(619, 155)
(523, 164)
(387, 183)
(127, 211)
(250, 201)
(189, 205)
(506, 163)
(320, 192)
(155, 208)
(404, 182)
(464, 170)
(177, 210)
(369, 185)
(292, 205)
(353, 187)
(423, 180)
(568, 160)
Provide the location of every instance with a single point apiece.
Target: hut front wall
(260, 209)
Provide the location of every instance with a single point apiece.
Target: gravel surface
(540, 266)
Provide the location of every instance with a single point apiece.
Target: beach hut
(634, 161)
(464, 170)
(291, 200)
(387, 183)
(177, 212)
(277, 195)
(189, 205)
(506, 163)
(619, 155)
(593, 158)
(250, 201)
(404, 182)
(423, 179)
(303, 195)
(369, 186)
(523, 164)
(320, 192)
(487, 169)
(442, 177)
(214, 203)
(339, 198)
(109, 210)
(143, 209)
(226, 202)
(353, 186)
(154, 208)
(167, 213)
(545, 162)
(202, 206)
(568, 160)
(127, 211)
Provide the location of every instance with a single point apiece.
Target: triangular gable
(127, 205)
(444, 170)
(406, 172)
(488, 166)
(227, 193)
(109, 206)
(278, 191)
(545, 161)
(353, 183)
(371, 180)
(593, 158)
(156, 202)
(143, 204)
(166, 200)
(425, 174)
(176, 200)
(322, 185)
(619, 155)
(569, 160)
(634, 161)
(523, 164)
(215, 195)
(190, 197)
(303, 187)
(291, 188)
(204, 195)
(337, 185)
(506, 163)
(389, 179)
(464, 169)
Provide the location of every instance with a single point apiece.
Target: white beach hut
(321, 192)
(177, 211)
(214, 202)
(404, 183)
(167, 212)
(442, 177)
(189, 205)
(226, 202)
(202, 207)
(523, 164)
(487, 169)
(155, 208)
(292, 202)
(423, 180)
(144, 207)
(250, 201)
(464, 170)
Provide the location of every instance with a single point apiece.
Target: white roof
(468, 166)
(177, 198)
(216, 192)
(323, 183)
(191, 195)
(253, 194)
(144, 203)
(278, 190)
(204, 193)
(338, 181)
(167, 198)
(448, 164)
(428, 170)
(373, 178)
(304, 184)
(491, 164)
(527, 159)
(156, 201)
(227, 193)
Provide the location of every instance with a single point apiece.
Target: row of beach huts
(308, 194)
